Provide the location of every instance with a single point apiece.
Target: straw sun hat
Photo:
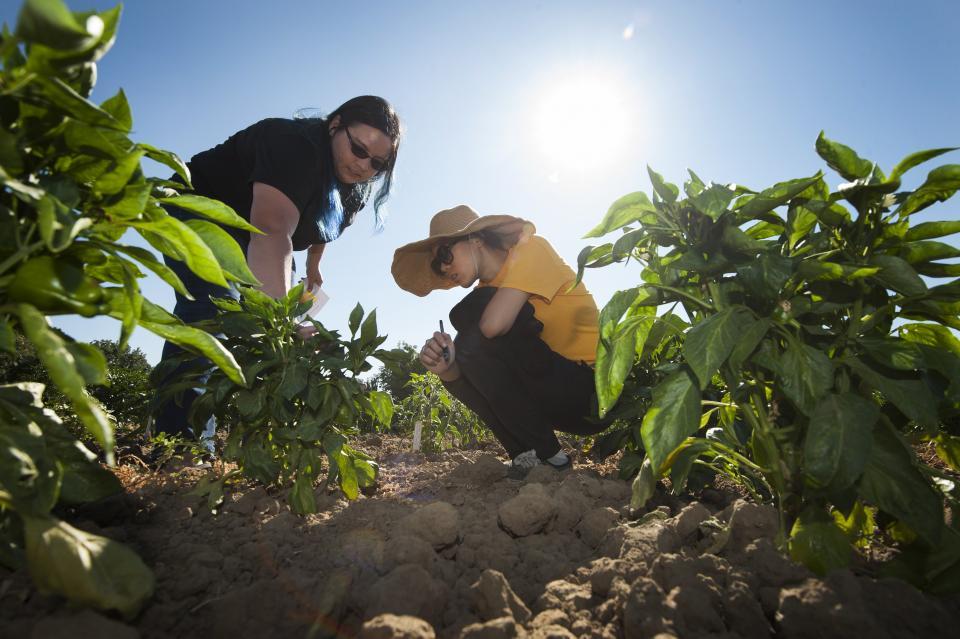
(411, 263)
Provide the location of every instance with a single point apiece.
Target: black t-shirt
(292, 156)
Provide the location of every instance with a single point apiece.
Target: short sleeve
(535, 267)
(286, 162)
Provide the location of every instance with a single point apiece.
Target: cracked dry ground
(450, 547)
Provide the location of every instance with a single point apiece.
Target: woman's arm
(314, 253)
(270, 256)
(502, 311)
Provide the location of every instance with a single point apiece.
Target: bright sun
(582, 124)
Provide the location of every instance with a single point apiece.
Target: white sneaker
(525, 461)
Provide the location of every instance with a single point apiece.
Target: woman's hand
(314, 278)
(431, 355)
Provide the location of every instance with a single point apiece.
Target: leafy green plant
(444, 420)
(831, 351)
(303, 401)
(71, 186)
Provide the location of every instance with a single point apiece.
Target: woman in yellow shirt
(522, 356)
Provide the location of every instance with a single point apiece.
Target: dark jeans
(519, 387)
(171, 416)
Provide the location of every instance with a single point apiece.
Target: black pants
(519, 387)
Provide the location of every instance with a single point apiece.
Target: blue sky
(736, 90)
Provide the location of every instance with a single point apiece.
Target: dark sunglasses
(443, 256)
(361, 153)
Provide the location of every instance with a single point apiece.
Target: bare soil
(449, 546)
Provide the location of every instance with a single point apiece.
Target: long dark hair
(373, 111)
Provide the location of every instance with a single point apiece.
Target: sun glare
(582, 125)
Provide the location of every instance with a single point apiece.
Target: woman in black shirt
(301, 182)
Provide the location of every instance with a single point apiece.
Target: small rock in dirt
(407, 549)
(551, 617)
(689, 519)
(396, 627)
(437, 523)
(503, 628)
(646, 611)
(743, 613)
(603, 571)
(83, 625)
(642, 543)
(364, 548)
(748, 522)
(563, 595)
(408, 590)
(529, 512)
(483, 472)
(492, 597)
(552, 632)
(595, 524)
(543, 474)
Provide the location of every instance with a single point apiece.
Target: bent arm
(270, 255)
(500, 314)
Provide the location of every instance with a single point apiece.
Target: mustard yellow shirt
(570, 319)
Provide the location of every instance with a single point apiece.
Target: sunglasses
(443, 256)
(361, 153)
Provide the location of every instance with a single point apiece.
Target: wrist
(452, 374)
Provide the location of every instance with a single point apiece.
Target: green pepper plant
(445, 420)
(303, 401)
(821, 320)
(71, 186)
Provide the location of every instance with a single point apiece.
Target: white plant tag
(320, 298)
(417, 435)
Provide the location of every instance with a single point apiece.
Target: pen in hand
(446, 350)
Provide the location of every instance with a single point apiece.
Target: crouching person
(522, 358)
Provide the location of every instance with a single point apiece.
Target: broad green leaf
(62, 368)
(858, 526)
(898, 354)
(119, 174)
(74, 104)
(147, 259)
(932, 335)
(86, 139)
(736, 240)
(90, 362)
(818, 542)
(747, 341)
(382, 406)
(713, 200)
(673, 416)
(617, 346)
(749, 208)
(8, 340)
(188, 247)
(929, 230)
(936, 269)
(295, 378)
(368, 329)
(302, 500)
(910, 396)
(169, 159)
(644, 485)
(348, 476)
(211, 209)
(87, 569)
(130, 202)
(709, 343)
(119, 108)
(51, 23)
(843, 159)
(927, 250)
(892, 482)
(839, 438)
(948, 450)
(804, 373)
(897, 275)
(355, 316)
(766, 276)
(694, 185)
(940, 185)
(627, 210)
(814, 269)
(229, 255)
(200, 342)
(915, 159)
(366, 472)
(667, 192)
(627, 242)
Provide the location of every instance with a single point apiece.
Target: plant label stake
(446, 349)
(417, 435)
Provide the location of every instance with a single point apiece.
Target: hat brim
(411, 262)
